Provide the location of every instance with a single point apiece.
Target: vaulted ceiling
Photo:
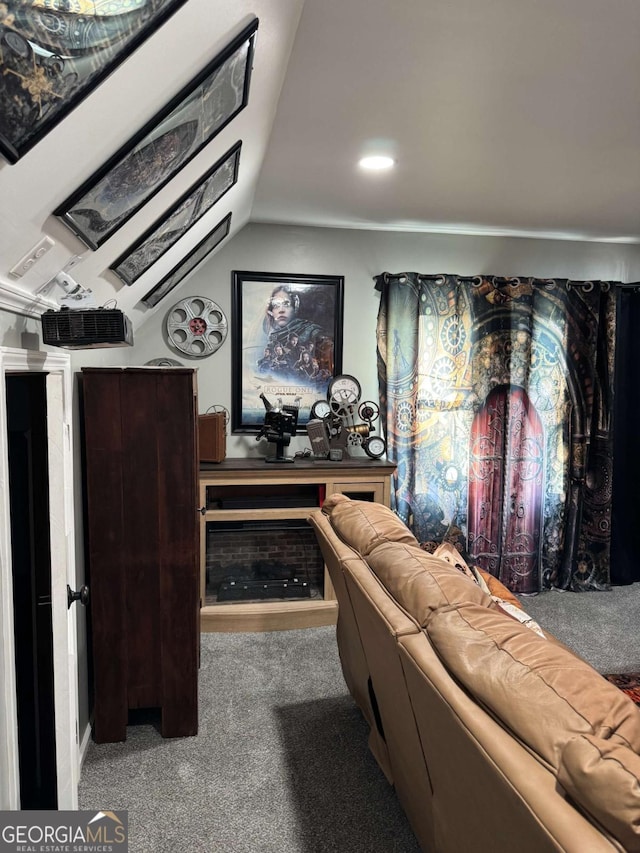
(504, 117)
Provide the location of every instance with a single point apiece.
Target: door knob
(82, 595)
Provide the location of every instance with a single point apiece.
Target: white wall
(633, 264)
(19, 331)
(359, 256)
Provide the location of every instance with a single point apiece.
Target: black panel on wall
(625, 530)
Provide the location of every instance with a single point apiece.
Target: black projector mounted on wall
(86, 328)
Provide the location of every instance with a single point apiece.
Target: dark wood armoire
(142, 545)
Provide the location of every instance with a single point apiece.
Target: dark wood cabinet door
(142, 545)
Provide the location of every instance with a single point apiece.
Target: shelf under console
(261, 567)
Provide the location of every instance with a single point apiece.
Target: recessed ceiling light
(377, 163)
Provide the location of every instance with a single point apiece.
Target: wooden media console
(255, 515)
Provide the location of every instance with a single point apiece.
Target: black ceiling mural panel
(52, 56)
(173, 137)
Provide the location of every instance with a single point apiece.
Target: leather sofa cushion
(420, 582)
(541, 691)
(504, 599)
(496, 588)
(364, 525)
(604, 778)
(447, 551)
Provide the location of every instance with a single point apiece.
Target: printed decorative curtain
(498, 400)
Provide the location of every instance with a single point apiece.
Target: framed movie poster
(173, 137)
(286, 340)
(53, 54)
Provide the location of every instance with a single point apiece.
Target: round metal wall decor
(163, 362)
(196, 326)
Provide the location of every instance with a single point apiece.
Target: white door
(59, 385)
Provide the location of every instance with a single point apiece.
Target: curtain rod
(434, 276)
(388, 275)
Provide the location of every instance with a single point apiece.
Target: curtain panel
(498, 400)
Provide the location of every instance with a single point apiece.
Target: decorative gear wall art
(196, 326)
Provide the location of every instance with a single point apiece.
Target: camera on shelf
(280, 424)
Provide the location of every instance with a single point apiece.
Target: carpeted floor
(280, 764)
(602, 627)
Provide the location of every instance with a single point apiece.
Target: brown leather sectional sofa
(496, 739)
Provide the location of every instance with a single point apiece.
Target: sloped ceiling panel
(32, 188)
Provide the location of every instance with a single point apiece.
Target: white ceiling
(507, 116)
(504, 116)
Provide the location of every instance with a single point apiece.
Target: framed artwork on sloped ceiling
(139, 169)
(189, 208)
(188, 264)
(53, 55)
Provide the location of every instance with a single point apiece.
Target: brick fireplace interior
(262, 559)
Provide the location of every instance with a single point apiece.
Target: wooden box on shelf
(212, 438)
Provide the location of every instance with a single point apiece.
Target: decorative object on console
(320, 409)
(280, 424)
(189, 208)
(287, 342)
(196, 326)
(343, 389)
(219, 409)
(186, 266)
(139, 169)
(375, 446)
(54, 55)
(212, 433)
(212, 438)
(347, 421)
(318, 438)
